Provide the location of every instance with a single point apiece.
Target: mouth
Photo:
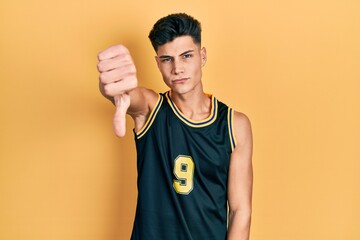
(179, 80)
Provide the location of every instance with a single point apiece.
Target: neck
(195, 106)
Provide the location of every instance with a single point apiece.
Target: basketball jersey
(182, 173)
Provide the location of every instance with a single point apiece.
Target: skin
(180, 63)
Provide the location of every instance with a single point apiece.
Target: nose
(178, 67)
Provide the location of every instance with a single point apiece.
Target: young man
(193, 152)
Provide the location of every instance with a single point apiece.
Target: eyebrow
(182, 54)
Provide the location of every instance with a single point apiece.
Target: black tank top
(182, 173)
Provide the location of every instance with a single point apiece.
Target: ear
(203, 56)
(157, 61)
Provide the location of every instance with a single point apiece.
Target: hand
(122, 103)
(117, 79)
(117, 71)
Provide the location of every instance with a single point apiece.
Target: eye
(164, 60)
(187, 55)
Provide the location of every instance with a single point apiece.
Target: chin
(181, 90)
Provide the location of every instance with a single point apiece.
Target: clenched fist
(117, 79)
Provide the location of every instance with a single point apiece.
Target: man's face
(180, 62)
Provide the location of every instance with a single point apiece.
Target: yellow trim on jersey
(150, 119)
(231, 129)
(192, 123)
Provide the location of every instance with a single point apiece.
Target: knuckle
(99, 56)
(133, 83)
(103, 77)
(123, 48)
(108, 90)
(119, 49)
(132, 69)
(127, 56)
(100, 67)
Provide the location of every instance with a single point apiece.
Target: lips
(179, 80)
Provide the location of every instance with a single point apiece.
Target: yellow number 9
(184, 172)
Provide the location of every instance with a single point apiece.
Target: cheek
(196, 68)
(164, 68)
(164, 73)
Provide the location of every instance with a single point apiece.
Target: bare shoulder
(143, 101)
(151, 96)
(241, 157)
(242, 127)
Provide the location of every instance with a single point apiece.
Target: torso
(182, 173)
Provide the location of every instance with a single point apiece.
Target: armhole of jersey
(231, 128)
(150, 119)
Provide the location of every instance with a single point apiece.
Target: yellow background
(292, 66)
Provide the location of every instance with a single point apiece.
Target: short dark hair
(172, 26)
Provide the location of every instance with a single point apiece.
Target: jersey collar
(192, 123)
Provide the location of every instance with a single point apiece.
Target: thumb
(122, 103)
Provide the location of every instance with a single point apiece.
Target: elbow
(239, 225)
(244, 213)
(242, 216)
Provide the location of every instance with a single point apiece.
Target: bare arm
(119, 83)
(240, 181)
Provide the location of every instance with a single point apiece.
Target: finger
(113, 63)
(122, 103)
(112, 52)
(120, 87)
(118, 74)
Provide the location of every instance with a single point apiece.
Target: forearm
(239, 225)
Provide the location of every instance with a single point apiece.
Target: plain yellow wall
(292, 66)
